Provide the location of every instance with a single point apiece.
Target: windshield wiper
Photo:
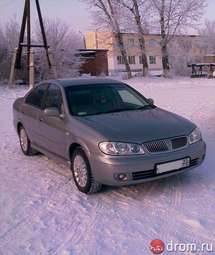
(129, 109)
(148, 106)
(121, 110)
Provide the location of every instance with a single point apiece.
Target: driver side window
(54, 98)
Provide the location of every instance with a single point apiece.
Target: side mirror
(150, 100)
(52, 112)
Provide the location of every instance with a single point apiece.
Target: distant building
(106, 40)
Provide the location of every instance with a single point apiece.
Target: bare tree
(63, 43)
(108, 9)
(11, 34)
(175, 16)
(207, 34)
(192, 46)
(134, 7)
(3, 52)
(8, 41)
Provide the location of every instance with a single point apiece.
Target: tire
(82, 174)
(25, 143)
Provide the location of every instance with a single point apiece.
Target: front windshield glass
(97, 99)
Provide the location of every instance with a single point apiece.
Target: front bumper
(105, 168)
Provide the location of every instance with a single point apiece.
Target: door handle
(41, 119)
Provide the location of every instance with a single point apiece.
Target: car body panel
(55, 136)
(140, 126)
(55, 141)
(130, 164)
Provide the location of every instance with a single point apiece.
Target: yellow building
(107, 40)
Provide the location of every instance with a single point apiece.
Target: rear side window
(53, 98)
(36, 96)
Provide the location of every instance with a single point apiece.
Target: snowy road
(41, 212)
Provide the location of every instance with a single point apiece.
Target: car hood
(139, 126)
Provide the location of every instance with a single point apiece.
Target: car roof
(85, 81)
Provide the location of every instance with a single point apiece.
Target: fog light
(121, 177)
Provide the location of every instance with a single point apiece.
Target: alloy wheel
(23, 140)
(80, 171)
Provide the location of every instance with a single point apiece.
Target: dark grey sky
(74, 12)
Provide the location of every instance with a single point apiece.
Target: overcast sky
(74, 12)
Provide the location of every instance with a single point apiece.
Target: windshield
(96, 99)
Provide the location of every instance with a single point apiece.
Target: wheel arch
(76, 145)
(72, 148)
(18, 126)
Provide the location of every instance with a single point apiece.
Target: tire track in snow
(176, 194)
(52, 194)
(88, 212)
(37, 211)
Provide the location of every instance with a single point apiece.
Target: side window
(128, 98)
(53, 98)
(36, 96)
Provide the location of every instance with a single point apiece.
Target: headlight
(195, 136)
(115, 148)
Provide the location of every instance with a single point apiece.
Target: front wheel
(82, 174)
(25, 143)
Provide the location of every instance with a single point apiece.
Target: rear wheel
(82, 174)
(25, 143)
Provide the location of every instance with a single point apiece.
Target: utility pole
(26, 22)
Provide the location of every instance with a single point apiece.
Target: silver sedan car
(106, 131)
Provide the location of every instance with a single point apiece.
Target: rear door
(31, 110)
(52, 129)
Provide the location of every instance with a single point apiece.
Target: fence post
(12, 69)
(31, 69)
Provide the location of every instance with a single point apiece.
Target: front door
(53, 135)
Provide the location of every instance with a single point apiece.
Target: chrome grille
(157, 146)
(166, 145)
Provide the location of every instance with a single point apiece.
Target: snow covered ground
(41, 212)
